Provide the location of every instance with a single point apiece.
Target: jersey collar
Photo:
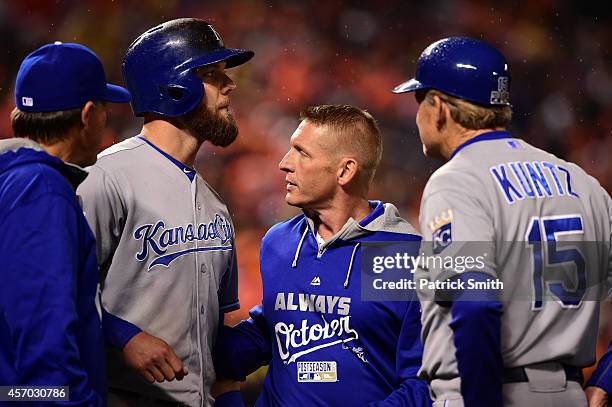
(188, 171)
(491, 135)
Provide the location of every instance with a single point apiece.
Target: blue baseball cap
(63, 76)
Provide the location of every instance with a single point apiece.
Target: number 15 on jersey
(542, 237)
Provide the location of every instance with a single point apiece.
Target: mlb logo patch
(442, 237)
(27, 101)
(317, 372)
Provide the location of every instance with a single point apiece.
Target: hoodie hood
(384, 218)
(19, 151)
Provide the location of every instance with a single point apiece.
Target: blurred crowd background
(316, 52)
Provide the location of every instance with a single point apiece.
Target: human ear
(86, 114)
(348, 171)
(441, 112)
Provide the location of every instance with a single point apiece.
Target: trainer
(324, 343)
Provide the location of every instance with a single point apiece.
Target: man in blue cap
(50, 314)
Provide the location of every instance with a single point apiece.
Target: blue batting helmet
(158, 66)
(465, 68)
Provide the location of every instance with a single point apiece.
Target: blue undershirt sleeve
(476, 325)
(117, 331)
(412, 391)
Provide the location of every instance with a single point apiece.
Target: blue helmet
(465, 68)
(158, 66)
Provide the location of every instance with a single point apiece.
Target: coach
(50, 316)
(518, 206)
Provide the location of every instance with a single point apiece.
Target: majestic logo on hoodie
(295, 341)
(157, 239)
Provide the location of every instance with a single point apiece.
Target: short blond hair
(356, 132)
(472, 116)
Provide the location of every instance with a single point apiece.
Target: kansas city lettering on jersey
(159, 239)
(294, 341)
(520, 180)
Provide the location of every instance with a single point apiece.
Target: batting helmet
(465, 68)
(158, 65)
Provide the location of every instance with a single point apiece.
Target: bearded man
(165, 239)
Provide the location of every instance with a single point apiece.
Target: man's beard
(208, 126)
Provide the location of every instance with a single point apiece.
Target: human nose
(285, 163)
(228, 84)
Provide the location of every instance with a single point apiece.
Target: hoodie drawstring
(297, 252)
(350, 267)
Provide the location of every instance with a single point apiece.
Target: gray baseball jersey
(522, 205)
(167, 257)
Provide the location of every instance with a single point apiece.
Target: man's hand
(596, 397)
(153, 358)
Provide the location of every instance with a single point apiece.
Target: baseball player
(325, 345)
(525, 344)
(50, 316)
(165, 239)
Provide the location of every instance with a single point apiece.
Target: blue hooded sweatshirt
(50, 318)
(326, 346)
